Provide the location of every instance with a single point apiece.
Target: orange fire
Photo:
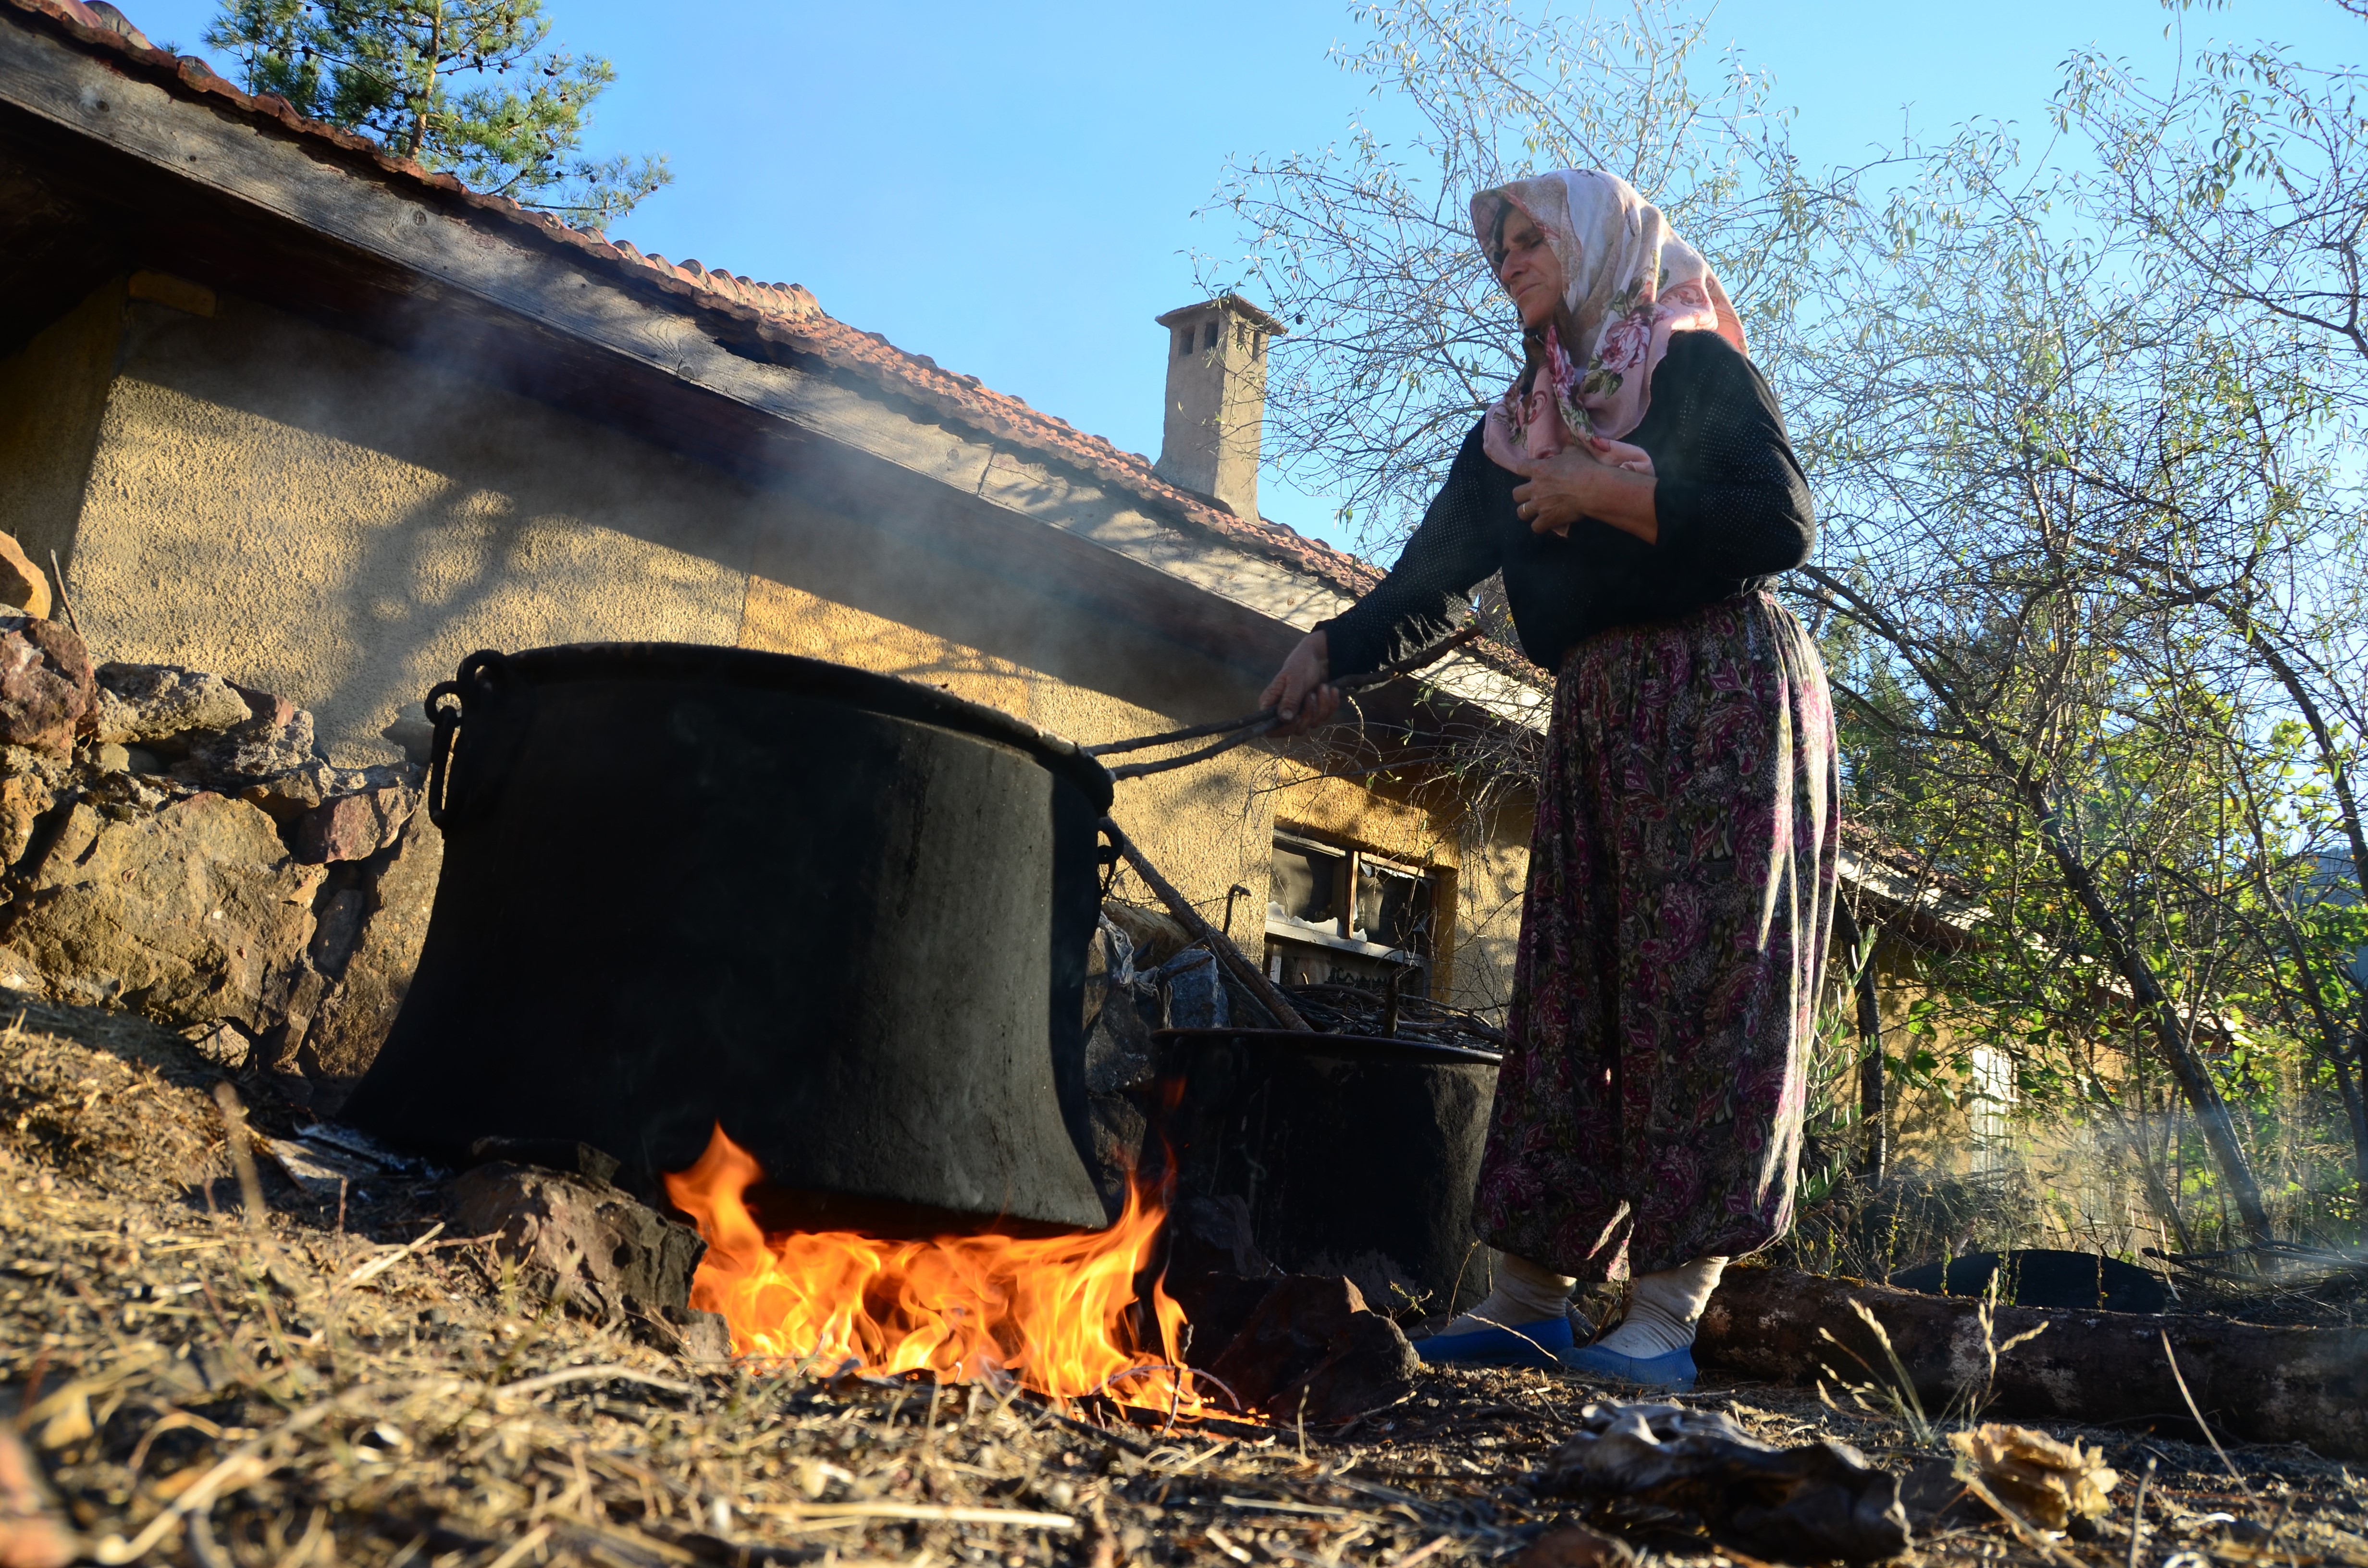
(1050, 1312)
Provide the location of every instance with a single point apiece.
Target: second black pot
(1355, 1155)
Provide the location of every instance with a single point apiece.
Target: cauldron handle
(484, 676)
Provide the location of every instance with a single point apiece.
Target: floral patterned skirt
(1673, 937)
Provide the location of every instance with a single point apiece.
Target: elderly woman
(1635, 488)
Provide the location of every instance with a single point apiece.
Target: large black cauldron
(1355, 1155)
(844, 915)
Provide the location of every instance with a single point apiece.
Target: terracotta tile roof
(1871, 843)
(784, 312)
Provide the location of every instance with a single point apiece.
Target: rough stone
(1120, 1057)
(704, 1339)
(23, 800)
(23, 585)
(23, 762)
(353, 827)
(109, 758)
(70, 838)
(46, 689)
(355, 1017)
(276, 739)
(191, 914)
(337, 921)
(156, 702)
(286, 797)
(294, 1001)
(610, 1255)
(1197, 998)
(416, 737)
(1314, 1351)
(1215, 1271)
(224, 1045)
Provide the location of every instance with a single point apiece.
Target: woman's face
(1531, 273)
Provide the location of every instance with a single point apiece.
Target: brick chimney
(1216, 398)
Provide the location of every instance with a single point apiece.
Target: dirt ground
(334, 1385)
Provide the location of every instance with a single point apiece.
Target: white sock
(1664, 1308)
(1524, 1293)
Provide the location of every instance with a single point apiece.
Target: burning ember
(1050, 1312)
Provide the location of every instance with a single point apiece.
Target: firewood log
(2250, 1381)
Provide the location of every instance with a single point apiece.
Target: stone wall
(175, 845)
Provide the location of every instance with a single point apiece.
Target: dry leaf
(2049, 1481)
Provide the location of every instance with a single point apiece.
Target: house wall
(1932, 1128)
(340, 523)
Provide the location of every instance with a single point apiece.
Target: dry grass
(205, 1390)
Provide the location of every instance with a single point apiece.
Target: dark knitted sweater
(1732, 507)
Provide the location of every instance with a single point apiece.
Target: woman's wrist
(1624, 500)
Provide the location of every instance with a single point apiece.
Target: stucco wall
(297, 508)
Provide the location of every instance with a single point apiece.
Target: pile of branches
(1336, 1009)
(2275, 1282)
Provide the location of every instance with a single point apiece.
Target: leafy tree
(467, 86)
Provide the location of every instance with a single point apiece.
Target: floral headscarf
(1629, 284)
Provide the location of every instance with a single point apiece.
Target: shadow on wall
(342, 524)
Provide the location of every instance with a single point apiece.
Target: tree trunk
(2355, 832)
(2251, 1382)
(2179, 1052)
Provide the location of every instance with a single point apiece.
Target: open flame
(1050, 1312)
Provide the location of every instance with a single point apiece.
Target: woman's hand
(1298, 693)
(1610, 481)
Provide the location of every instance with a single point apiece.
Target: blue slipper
(1536, 1344)
(1673, 1369)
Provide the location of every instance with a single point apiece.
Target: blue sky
(1012, 189)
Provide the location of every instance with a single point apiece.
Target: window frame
(1287, 929)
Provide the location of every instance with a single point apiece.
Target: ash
(313, 1386)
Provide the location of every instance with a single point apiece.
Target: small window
(1306, 885)
(1392, 907)
(1340, 917)
(1989, 1108)
(1183, 342)
(1209, 337)
(1257, 347)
